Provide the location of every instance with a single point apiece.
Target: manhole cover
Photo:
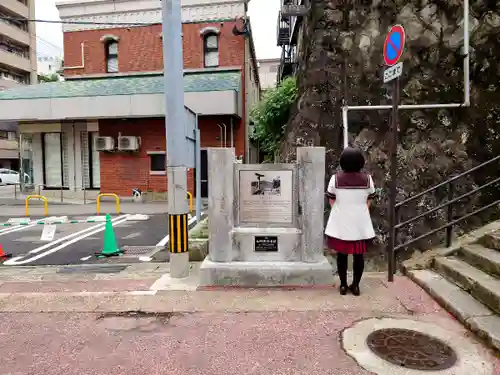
(411, 349)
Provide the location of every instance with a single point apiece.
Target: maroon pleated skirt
(347, 247)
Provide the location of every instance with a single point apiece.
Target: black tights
(357, 267)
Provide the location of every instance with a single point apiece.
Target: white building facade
(49, 65)
(268, 73)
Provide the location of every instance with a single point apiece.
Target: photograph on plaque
(266, 196)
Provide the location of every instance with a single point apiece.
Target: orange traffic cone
(4, 256)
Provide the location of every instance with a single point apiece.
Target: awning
(139, 95)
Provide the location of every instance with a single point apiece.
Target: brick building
(114, 88)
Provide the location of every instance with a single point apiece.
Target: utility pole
(173, 68)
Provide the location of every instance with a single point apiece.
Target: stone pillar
(220, 203)
(311, 177)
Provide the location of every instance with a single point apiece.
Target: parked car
(8, 176)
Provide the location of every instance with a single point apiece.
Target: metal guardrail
(39, 187)
(45, 204)
(190, 197)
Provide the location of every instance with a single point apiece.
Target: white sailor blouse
(349, 216)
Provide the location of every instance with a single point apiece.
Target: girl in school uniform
(349, 227)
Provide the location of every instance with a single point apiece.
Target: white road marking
(6, 229)
(164, 240)
(15, 229)
(86, 258)
(85, 233)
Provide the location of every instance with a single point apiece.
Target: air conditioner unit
(128, 143)
(104, 143)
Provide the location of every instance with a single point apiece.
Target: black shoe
(355, 290)
(343, 290)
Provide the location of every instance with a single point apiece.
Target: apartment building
(18, 63)
(268, 73)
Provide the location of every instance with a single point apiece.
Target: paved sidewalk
(107, 324)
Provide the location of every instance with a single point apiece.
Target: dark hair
(352, 160)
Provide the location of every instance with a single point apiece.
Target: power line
(81, 22)
(47, 44)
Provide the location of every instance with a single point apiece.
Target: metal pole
(198, 173)
(392, 194)
(449, 215)
(345, 128)
(21, 166)
(176, 138)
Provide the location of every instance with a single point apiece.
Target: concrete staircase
(467, 283)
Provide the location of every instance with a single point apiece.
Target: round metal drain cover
(411, 349)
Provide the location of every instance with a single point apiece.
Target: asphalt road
(78, 243)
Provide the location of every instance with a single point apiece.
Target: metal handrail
(446, 226)
(448, 204)
(454, 178)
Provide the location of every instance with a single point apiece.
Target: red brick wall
(140, 48)
(121, 172)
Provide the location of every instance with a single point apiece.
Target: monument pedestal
(266, 222)
(262, 274)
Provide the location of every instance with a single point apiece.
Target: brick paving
(50, 327)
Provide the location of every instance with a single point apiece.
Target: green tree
(270, 115)
(49, 78)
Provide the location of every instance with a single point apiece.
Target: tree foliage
(271, 114)
(48, 78)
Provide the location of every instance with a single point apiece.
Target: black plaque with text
(266, 243)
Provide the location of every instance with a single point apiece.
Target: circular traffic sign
(394, 45)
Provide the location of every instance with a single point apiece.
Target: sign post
(393, 50)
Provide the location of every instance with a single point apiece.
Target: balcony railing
(19, 8)
(14, 31)
(13, 77)
(288, 63)
(283, 32)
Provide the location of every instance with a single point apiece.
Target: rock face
(341, 62)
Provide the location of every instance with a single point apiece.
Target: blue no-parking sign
(394, 45)
(393, 50)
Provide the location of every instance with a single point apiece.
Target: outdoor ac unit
(104, 143)
(128, 143)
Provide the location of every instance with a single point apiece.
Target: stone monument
(265, 221)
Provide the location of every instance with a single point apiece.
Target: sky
(263, 15)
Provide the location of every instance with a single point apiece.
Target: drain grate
(411, 349)
(138, 250)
